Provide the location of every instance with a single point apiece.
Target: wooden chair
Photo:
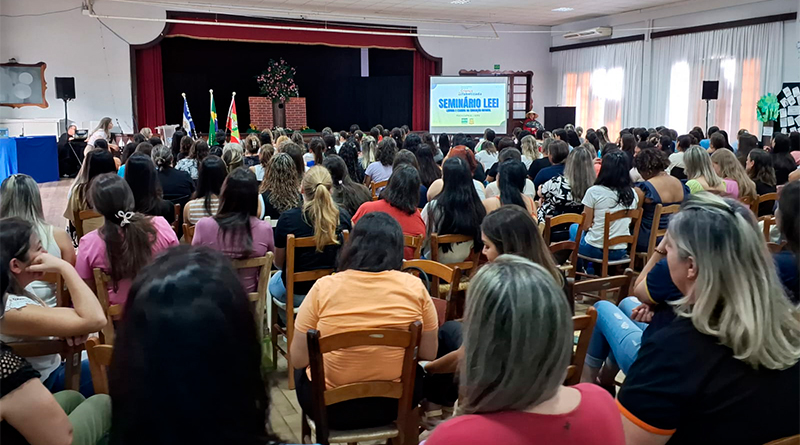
(793, 440)
(374, 188)
(561, 246)
(414, 242)
(79, 217)
(176, 223)
(188, 232)
(636, 220)
(99, 361)
(405, 428)
(112, 311)
(437, 273)
(293, 277)
(259, 297)
(70, 354)
(766, 197)
(603, 285)
(63, 298)
(584, 324)
(655, 231)
(467, 266)
(768, 221)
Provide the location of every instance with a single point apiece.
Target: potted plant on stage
(277, 84)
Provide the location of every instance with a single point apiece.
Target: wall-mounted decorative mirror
(22, 85)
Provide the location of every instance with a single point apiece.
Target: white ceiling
(518, 12)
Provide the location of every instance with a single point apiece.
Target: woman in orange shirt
(368, 292)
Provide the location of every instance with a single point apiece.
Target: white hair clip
(125, 217)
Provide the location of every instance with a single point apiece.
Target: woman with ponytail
(236, 229)
(127, 240)
(319, 217)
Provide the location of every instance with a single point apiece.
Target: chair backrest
(176, 222)
(71, 355)
(766, 197)
(438, 272)
(572, 246)
(414, 242)
(375, 186)
(402, 390)
(636, 220)
(79, 216)
(112, 311)
(99, 361)
(792, 440)
(259, 297)
(188, 232)
(768, 221)
(467, 266)
(655, 230)
(584, 324)
(63, 298)
(621, 282)
(746, 200)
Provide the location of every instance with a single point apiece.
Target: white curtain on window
(747, 62)
(604, 83)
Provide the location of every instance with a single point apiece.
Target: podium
(261, 114)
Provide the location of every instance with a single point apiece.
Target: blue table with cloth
(8, 158)
(37, 157)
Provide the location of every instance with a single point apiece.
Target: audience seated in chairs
(176, 186)
(492, 189)
(183, 306)
(95, 163)
(788, 219)
(368, 292)
(508, 396)
(236, 230)
(127, 240)
(346, 193)
(191, 164)
(251, 147)
(28, 318)
(399, 200)
(145, 148)
(458, 210)
(31, 415)
(349, 154)
(613, 191)
(564, 193)
(205, 200)
(726, 166)
(280, 187)
(677, 167)
(559, 150)
(511, 179)
(657, 188)
(760, 170)
(142, 178)
(734, 348)
(19, 196)
(428, 170)
(702, 176)
(508, 230)
(233, 156)
(466, 154)
(381, 169)
(782, 160)
(405, 157)
(265, 154)
(319, 217)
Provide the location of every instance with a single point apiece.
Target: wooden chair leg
(72, 371)
(305, 428)
(274, 336)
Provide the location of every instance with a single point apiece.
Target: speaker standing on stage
(103, 131)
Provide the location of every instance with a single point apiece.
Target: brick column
(261, 112)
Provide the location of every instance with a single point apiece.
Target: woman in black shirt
(759, 169)
(280, 189)
(142, 177)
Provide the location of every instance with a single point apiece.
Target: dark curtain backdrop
(328, 77)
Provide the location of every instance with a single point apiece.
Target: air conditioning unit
(601, 31)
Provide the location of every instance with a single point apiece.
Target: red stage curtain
(149, 87)
(424, 68)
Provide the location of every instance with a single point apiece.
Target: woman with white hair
(530, 151)
(727, 367)
(514, 395)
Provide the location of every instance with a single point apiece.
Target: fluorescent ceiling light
(460, 2)
(562, 9)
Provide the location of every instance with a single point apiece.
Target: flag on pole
(233, 121)
(188, 123)
(212, 125)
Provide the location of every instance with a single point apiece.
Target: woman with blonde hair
(729, 168)
(282, 139)
(279, 190)
(233, 156)
(368, 151)
(265, 154)
(319, 217)
(511, 398)
(530, 152)
(701, 175)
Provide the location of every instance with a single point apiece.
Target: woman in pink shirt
(127, 240)
(236, 230)
(515, 398)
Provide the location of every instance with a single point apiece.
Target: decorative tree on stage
(277, 84)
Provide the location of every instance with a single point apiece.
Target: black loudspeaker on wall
(710, 89)
(65, 88)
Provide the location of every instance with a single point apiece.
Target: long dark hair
(511, 182)
(99, 162)
(513, 231)
(128, 238)
(349, 154)
(348, 194)
(15, 242)
(762, 170)
(175, 146)
(142, 177)
(428, 170)
(781, 159)
(296, 153)
(192, 296)
(238, 202)
(210, 178)
(789, 215)
(402, 191)
(317, 147)
(458, 209)
(376, 245)
(444, 143)
(199, 150)
(747, 143)
(614, 174)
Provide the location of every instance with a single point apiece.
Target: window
(597, 97)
